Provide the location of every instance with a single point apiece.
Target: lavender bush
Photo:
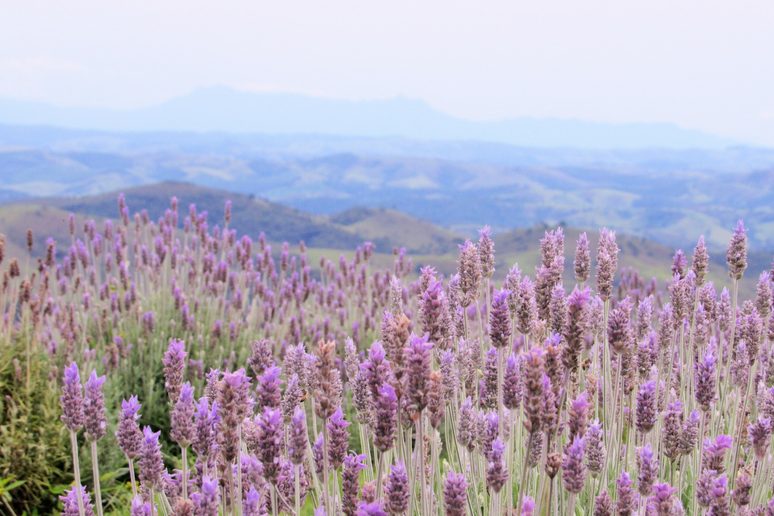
(225, 383)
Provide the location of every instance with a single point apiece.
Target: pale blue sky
(700, 64)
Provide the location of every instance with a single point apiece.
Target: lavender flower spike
(350, 477)
(648, 470)
(182, 417)
(174, 366)
(298, 438)
(385, 420)
(573, 468)
(70, 502)
(500, 320)
(151, 463)
(128, 434)
(396, 490)
(496, 472)
(582, 263)
(455, 494)
(72, 399)
(370, 509)
(736, 257)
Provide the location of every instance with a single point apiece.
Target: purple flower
(418, 371)
(182, 417)
(94, 420)
(533, 371)
(595, 448)
(298, 438)
(607, 263)
(206, 502)
(251, 505)
(269, 443)
(70, 502)
(603, 505)
(736, 257)
(496, 472)
(582, 263)
(140, 508)
(233, 404)
(268, 388)
(385, 420)
(690, 434)
(128, 434)
(350, 477)
(720, 505)
(263, 357)
(705, 380)
(370, 509)
(206, 421)
(646, 407)
(469, 271)
(647, 467)
(760, 433)
(700, 264)
(500, 320)
(396, 490)
(151, 464)
(435, 316)
(575, 328)
(455, 494)
(626, 505)
(339, 439)
(486, 252)
(577, 416)
(527, 506)
(573, 468)
(72, 399)
(375, 370)
(174, 367)
(327, 392)
(663, 499)
(713, 454)
(512, 383)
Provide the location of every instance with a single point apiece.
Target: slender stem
(131, 477)
(379, 472)
(95, 474)
(420, 460)
(77, 472)
(298, 489)
(152, 501)
(571, 504)
(325, 470)
(184, 471)
(523, 479)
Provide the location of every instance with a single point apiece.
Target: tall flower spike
(128, 434)
(646, 407)
(70, 502)
(512, 383)
(469, 270)
(350, 477)
(705, 379)
(339, 437)
(455, 494)
(182, 417)
(533, 372)
(435, 316)
(607, 263)
(72, 399)
(663, 499)
(486, 252)
(500, 320)
(298, 438)
(595, 448)
(418, 371)
(647, 470)
(582, 263)
(603, 505)
(573, 468)
(151, 464)
(396, 490)
(626, 505)
(496, 472)
(700, 264)
(327, 393)
(95, 422)
(174, 367)
(736, 257)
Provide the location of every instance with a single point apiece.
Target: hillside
(668, 197)
(341, 232)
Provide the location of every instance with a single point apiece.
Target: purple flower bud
(339, 439)
(690, 434)
(72, 399)
(486, 252)
(206, 502)
(299, 438)
(500, 320)
(151, 464)
(533, 372)
(233, 404)
(385, 418)
(418, 371)
(760, 433)
(626, 505)
(350, 477)
(595, 448)
(206, 421)
(582, 263)
(607, 263)
(269, 443)
(70, 502)
(603, 505)
(705, 380)
(573, 468)
(128, 434)
(370, 509)
(140, 508)
(174, 367)
(455, 494)
(182, 417)
(512, 383)
(647, 470)
(713, 453)
(267, 390)
(527, 506)
(94, 422)
(646, 407)
(663, 499)
(469, 271)
(396, 490)
(496, 472)
(736, 257)
(700, 264)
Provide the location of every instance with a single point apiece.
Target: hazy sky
(701, 64)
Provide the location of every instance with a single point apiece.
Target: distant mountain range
(221, 109)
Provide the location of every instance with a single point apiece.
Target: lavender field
(173, 367)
